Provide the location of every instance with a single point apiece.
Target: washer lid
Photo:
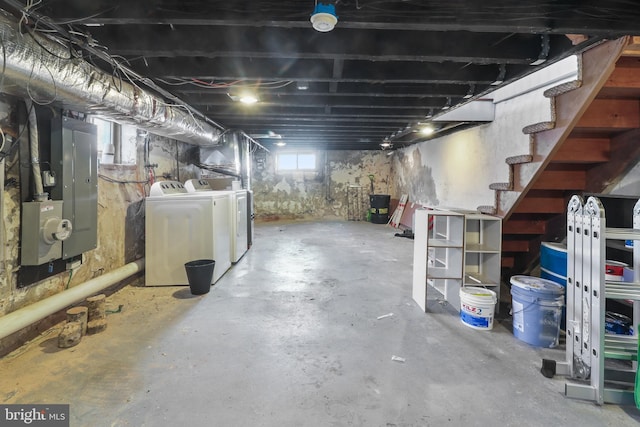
(537, 285)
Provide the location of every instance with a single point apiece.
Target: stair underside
(564, 149)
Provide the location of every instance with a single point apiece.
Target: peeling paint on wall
(121, 194)
(174, 159)
(320, 194)
(417, 179)
(283, 185)
(456, 170)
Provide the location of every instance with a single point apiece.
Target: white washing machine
(238, 215)
(182, 227)
(250, 219)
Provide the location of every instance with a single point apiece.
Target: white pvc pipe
(21, 318)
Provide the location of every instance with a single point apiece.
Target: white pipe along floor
(290, 336)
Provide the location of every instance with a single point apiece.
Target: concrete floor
(290, 337)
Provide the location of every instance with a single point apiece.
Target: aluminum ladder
(588, 347)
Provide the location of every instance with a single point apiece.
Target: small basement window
(116, 143)
(302, 161)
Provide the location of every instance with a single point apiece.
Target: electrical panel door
(74, 159)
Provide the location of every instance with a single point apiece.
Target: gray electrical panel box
(74, 160)
(43, 231)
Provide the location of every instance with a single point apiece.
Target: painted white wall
(553, 75)
(464, 164)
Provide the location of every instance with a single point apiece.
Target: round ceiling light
(248, 98)
(324, 17)
(427, 130)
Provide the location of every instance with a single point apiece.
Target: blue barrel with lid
(553, 258)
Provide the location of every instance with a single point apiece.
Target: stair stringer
(514, 161)
(570, 101)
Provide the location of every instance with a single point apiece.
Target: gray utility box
(74, 159)
(43, 231)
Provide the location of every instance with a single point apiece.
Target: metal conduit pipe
(26, 316)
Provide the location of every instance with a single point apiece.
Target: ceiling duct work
(45, 72)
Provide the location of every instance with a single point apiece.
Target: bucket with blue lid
(537, 310)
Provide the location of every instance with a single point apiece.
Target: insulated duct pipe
(253, 141)
(26, 316)
(35, 150)
(30, 71)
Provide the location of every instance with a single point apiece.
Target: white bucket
(477, 306)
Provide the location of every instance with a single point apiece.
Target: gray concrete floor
(290, 337)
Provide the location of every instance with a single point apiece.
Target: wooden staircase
(591, 140)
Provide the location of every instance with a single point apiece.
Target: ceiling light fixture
(269, 135)
(280, 143)
(302, 85)
(324, 17)
(427, 130)
(248, 98)
(245, 97)
(385, 144)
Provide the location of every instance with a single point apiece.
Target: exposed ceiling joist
(387, 67)
(430, 46)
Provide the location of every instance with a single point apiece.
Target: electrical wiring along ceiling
(384, 70)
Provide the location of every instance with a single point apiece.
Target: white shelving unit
(589, 350)
(482, 251)
(438, 255)
(454, 248)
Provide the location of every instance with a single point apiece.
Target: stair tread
(523, 158)
(504, 186)
(562, 88)
(487, 209)
(538, 127)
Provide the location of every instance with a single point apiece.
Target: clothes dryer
(238, 215)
